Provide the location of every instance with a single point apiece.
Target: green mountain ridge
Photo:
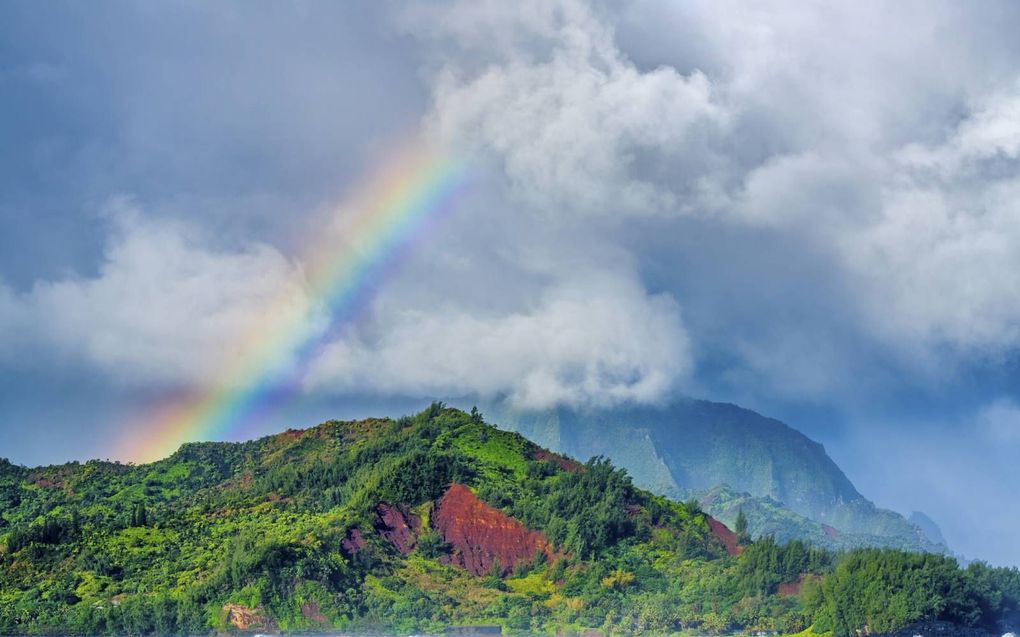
(422, 523)
(690, 448)
(766, 516)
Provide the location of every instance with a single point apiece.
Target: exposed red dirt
(312, 612)
(244, 618)
(398, 526)
(48, 481)
(726, 536)
(481, 535)
(353, 543)
(830, 532)
(563, 462)
(789, 589)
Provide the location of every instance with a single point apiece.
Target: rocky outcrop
(481, 536)
(724, 535)
(395, 524)
(398, 526)
(244, 618)
(352, 543)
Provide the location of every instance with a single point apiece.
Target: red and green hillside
(418, 524)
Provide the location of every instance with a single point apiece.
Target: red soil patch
(353, 543)
(789, 589)
(480, 535)
(562, 461)
(830, 532)
(724, 535)
(46, 482)
(244, 618)
(312, 612)
(397, 526)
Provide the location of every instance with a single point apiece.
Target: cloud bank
(902, 179)
(597, 130)
(597, 339)
(162, 309)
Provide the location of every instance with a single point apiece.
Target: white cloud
(595, 339)
(573, 124)
(897, 176)
(162, 308)
(166, 309)
(801, 123)
(904, 176)
(993, 127)
(1000, 422)
(937, 258)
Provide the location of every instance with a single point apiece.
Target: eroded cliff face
(478, 534)
(397, 525)
(724, 535)
(481, 536)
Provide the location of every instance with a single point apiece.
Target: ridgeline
(422, 523)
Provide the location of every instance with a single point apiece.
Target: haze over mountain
(806, 209)
(716, 452)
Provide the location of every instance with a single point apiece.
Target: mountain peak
(691, 447)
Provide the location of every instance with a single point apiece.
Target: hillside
(694, 448)
(766, 516)
(417, 524)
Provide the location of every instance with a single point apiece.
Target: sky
(807, 209)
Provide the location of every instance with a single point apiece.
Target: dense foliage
(884, 590)
(222, 536)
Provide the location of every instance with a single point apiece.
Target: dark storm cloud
(241, 119)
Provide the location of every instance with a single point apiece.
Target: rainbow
(377, 227)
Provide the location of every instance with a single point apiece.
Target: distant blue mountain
(731, 459)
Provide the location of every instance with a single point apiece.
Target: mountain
(721, 453)
(928, 526)
(421, 524)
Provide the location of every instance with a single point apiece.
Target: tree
(432, 546)
(139, 517)
(740, 528)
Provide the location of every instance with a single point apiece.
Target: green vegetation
(740, 527)
(285, 533)
(731, 459)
